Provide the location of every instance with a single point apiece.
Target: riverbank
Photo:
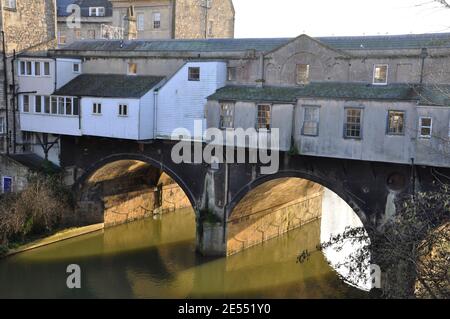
(59, 236)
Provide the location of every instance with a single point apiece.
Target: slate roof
(109, 85)
(332, 90)
(389, 42)
(84, 6)
(32, 161)
(210, 45)
(412, 41)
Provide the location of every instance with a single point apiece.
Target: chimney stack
(130, 32)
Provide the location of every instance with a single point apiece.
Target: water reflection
(156, 259)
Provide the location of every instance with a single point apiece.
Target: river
(156, 259)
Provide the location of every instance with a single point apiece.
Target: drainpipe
(14, 96)
(413, 177)
(423, 56)
(56, 73)
(5, 89)
(155, 113)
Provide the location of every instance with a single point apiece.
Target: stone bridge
(109, 175)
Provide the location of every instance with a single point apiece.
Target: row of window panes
(51, 105)
(34, 68)
(352, 125)
(263, 121)
(380, 74)
(97, 109)
(96, 11)
(156, 21)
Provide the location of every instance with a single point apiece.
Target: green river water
(157, 259)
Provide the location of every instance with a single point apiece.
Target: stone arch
(92, 210)
(331, 185)
(260, 218)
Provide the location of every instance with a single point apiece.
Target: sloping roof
(389, 42)
(32, 161)
(432, 95)
(358, 91)
(411, 41)
(84, 6)
(210, 45)
(109, 85)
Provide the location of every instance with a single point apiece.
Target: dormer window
(96, 11)
(380, 74)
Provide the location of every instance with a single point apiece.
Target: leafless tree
(412, 249)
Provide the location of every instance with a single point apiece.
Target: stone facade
(195, 20)
(258, 218)
(157, 19)
(30, 26)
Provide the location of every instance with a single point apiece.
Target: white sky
(290, 18)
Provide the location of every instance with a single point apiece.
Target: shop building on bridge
(379, 98)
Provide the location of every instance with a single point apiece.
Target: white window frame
(347, 123)
(23, 103)
(2, 125)
(79, 67)
(375, 66)
(11, 4)
(316, 108)
(96, 11)
(140, 21)
(425, 127)
(95, 108)
(122, 107)
(223, 116)
(43, 68)
(35, 64)
(191, 79)
(156, 20)
(389, 132)
(22, 68)
(36, 98)
(258, 117)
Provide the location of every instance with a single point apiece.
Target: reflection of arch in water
(126, 187)
(276, 204)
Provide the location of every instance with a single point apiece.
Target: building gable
(324, 62)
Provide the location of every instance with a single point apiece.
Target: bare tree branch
(445, 3)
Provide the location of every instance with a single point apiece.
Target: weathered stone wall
(173, 198)
(31, 24)
(84, 32)
(16, 171)
(194, 21)
(128, 207)
(259, 217)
